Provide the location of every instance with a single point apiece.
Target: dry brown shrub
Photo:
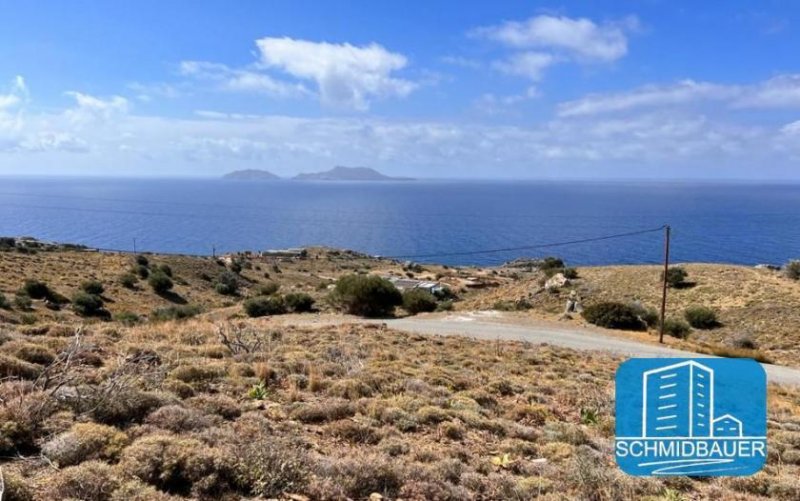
(89, 481)
(83, 442)
(178, 419)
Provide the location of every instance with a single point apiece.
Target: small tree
(92, 287)
(366, 295)
(676, 277)
(418, 301)
(701, 317)
(87, 305)
(160, 282)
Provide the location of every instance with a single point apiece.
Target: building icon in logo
(679, 401)
(684, 416)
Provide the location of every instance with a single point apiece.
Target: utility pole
(667, 231)
(134, 246)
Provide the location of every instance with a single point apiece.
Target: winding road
(481, 327)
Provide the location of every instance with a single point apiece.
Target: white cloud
(346, 76)
(90, 108)
(779, 92)
(242, 80)
(17, 94)
(530, 65)
(648, 96)
(580, 38)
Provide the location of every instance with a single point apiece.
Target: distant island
(340, 173)
(250, 175)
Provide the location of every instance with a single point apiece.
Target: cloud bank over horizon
(302, 104)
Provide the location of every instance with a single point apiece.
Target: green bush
(142, 261)
(570, 273)
(175, 312)
(227, 283)
(366, 295)
(142, 271)
(418, 301)
(23, 302)
(792, 269)
(160, 282)
(265, 305)
(165, 269)
(299, 302)
(127, 318)
(87, 305)
(676, 277)
(267, 289)
(701, 317)
(128, 280)
(676, 328)
(36, 289)
(649, 316)
(4, 303)
(613, 315)
(92, 287)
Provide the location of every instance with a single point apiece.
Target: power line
(528, 247)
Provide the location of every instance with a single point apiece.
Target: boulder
(556, 282)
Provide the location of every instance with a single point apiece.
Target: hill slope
(250, 175)
(340, 173)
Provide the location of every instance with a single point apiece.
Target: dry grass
(345, 412)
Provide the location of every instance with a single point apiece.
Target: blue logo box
(699, 417)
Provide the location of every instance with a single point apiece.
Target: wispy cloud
(778, 92)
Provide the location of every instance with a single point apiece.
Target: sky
(618, 89)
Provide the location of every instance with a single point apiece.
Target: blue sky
(648, 89)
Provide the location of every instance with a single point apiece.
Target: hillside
(250, 175)
(758, 305)
(340, 173)
(221, 406)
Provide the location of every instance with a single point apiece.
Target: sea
(453, 222)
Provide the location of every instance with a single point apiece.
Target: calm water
(737, 223)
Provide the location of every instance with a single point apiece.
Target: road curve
(578, 339)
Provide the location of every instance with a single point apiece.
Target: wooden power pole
(667, 231)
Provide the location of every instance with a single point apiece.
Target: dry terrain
(220, 406)
(169, 411)
(756, 304)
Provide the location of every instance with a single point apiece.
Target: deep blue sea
(734, 223)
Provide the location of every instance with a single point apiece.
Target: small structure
(293, 252)
(407, 284)
(726, 426)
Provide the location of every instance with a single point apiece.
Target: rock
(556, 282)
